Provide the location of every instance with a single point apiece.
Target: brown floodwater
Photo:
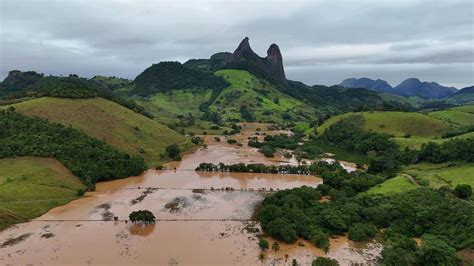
(198, 223)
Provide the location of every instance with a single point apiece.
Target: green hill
(461, 115)
(414, 101)
(118, 126)
(247, 98)
(433, 175)
(250, 98)
(30, 186)
(398, 124)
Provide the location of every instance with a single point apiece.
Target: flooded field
(198, 223)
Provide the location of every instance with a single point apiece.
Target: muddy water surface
(199, 224)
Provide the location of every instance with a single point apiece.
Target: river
(199, 222)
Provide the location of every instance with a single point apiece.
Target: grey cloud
(322, 42)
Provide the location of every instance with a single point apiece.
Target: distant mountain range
(408, 87)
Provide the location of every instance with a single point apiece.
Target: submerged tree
(142, 216)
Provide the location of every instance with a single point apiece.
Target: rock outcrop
(244, 57)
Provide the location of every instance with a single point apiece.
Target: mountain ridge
(408, 87)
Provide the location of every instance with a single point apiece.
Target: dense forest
(445, 222)
(90, 159)
(166, 76)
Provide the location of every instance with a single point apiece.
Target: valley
(171, 194)
(237, 164)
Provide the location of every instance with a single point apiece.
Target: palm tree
(276, 246)
(262, 257)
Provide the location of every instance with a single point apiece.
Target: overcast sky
(322, 42)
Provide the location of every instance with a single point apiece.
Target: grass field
(176, 102)
(413, 100)
(400, 183)
(446, 174)
(398, 124)
(120, 127)
(30, 186)
(462, 115)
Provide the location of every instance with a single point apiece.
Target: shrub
(322, 261)
(173, 152)
(463, 191)
(263, 244)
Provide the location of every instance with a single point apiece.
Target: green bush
(143, 216)
(463, 191)
(322, 261)
(263, 243)
(361, 231)
(173, 152)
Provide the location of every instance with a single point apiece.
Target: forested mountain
(215, 95)
(414, 87)
(370, 84)
(408, 87)
(462, 96)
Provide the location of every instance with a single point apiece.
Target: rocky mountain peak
(272, 65)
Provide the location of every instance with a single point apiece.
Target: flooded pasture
(200, 222)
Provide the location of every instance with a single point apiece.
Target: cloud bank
(322, 42)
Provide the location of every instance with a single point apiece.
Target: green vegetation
(322, 261)
(289, 214)
(398, 124)
(263, 244)
(105, 120)
(33, 85)
(437, 175)
(166, 76)
(464, 191)
(90, 159)
(261, 100)
(361, 232)
(401, 250)
(254, 168)
(173, 152)
(142, 216)
(30, 186)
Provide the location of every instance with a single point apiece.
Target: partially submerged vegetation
(287, 215)
(254, 168)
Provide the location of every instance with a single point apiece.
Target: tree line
(254, 168)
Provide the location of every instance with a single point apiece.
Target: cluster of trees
(254, 168)
(384, 154)
(338, 183)
(403, 250)
(142, 216)
(447, 222)
(88, 158)
(451, 150)
(270, 143)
